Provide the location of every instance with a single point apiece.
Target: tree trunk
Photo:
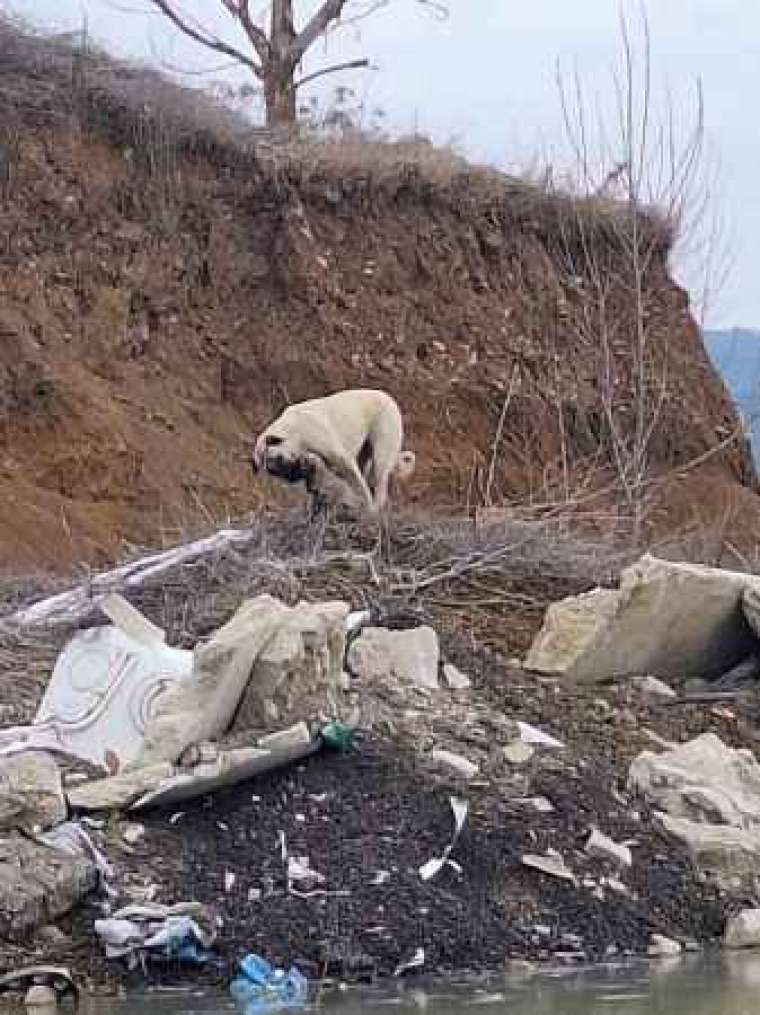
(279, 100)
(279, 93)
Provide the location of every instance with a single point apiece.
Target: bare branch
(257, 35)
(348, 65)
(329, 12)
(204, 37)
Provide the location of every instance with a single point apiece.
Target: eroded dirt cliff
(167, 286)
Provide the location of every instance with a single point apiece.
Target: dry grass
(61, 79)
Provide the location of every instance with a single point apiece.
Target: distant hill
(736, 355)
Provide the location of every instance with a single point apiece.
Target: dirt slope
(167, 289)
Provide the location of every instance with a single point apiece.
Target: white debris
(536, 803)
(601, 846)
(436, 864)
(550, 864)
(455, 679)
(356, 620)
(467, 769)
(229, 881)
(415, 962)
(301, 877)
(531, 735)
(651, 687)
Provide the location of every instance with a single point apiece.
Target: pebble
(518, 753)
(133, 833)
(659, 946)
(455, 679)
(602, 847)
(651, 687)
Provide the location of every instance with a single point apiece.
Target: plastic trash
(261, 987)
(339, 737)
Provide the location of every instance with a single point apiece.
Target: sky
(485, 80)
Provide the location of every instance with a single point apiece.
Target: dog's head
(277, 456)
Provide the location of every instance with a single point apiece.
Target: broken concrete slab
(260, 668)
(104, 687)
(230, 768)
(652, 688)
(119, 790)
(38, 884)
(702, 780)
(31, 792)
(409, 657)
(666, 619)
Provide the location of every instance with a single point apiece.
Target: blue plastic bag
(262, 988)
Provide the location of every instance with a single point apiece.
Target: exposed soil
(167, 289)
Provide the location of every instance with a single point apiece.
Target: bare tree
(277, 47)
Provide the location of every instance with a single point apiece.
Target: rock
(266, 667)
(455, 679)
(31, 792)
(703, 780)
(467, 769)
(601, 846)
(651, 687)
(38, 884)
(40, 996)
(661, 946)
(751, 607)
(52, 935)
(119, 790)
(743, 930)
(724, 851)
(409, 657)
(667, 619)
(518, 753)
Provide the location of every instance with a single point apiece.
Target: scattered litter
(415, 962)
(301, 878)
(651, 687)
(183, 932)
(176, 817)
(381, 878)
(254, 894)
(550, 864)
(531, 735)
(261, 987)
(339, 737)
(599, 845)
(229, 881)
(467, 769)
(70, 838)
(57, 978)
(436, 864)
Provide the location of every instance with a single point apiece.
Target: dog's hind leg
(387, 440)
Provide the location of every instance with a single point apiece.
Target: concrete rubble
(162, 727)
(670, 620)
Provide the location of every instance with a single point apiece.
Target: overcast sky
(485, 79)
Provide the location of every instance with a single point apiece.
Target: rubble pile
(359, 798)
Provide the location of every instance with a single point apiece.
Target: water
(726, 984)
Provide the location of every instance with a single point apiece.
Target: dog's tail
(405, 465)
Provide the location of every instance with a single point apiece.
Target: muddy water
(694, 985)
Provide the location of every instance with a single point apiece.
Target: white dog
(357, 435)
